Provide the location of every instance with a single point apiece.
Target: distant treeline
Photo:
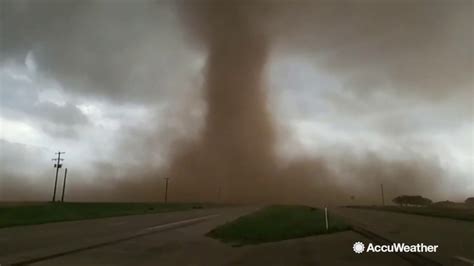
(407, 200)
(469, 201)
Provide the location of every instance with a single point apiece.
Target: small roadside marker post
(326, 216)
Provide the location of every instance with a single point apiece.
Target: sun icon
(358, 247)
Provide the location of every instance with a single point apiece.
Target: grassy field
(465, 214)
(55, 212)
(276, 223)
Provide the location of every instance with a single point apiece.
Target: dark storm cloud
(114, 50)
(20, 99)
(130, 50)
(420, 47)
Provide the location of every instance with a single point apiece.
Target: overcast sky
(115, 84)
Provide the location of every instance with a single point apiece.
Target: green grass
(56, 212)
(465, 214)
(274, 223)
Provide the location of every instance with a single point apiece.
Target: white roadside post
(326, 216)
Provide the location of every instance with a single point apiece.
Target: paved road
(183, 243)
(27, 242)
(455, 238)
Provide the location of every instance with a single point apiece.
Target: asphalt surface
(28, 242)
(455, 238)
(176, 238)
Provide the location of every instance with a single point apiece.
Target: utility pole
(219, 193)
(383, 199)
(64, 185)
(166, 190)
(57, 165)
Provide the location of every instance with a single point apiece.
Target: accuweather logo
(359, 248)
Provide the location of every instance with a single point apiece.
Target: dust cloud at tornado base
(235, 159)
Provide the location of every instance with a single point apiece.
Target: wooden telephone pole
(64, 185)
(383, 198)
(166, 190)
(57, 165)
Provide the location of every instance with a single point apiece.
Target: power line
(57, 165)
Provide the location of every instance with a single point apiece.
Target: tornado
(234, 156)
